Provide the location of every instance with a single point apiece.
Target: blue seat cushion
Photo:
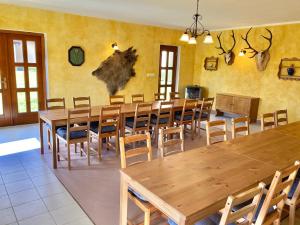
(105, 129)
(293, 188)
(136, 194)
(203, 115)
(185, 118)
(73, 135)
(49, 127)
(130, 122)
(161, 120)
(211, 220)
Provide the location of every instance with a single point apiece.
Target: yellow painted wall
(95, 36)
(243, 78)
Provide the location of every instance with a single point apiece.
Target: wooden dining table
(55, 118)
(192, 185)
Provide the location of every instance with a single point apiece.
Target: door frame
(174, 85)
(42, 56)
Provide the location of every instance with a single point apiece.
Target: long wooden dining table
(192, 185)
(55, 118)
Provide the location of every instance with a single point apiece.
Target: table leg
(123, 201)
(54, 155)
(41, 122)
(122, 125)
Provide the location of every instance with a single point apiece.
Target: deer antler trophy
(262, 57)
(228, 55)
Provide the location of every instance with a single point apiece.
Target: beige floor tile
(7, 216)
(30, 209)
(44, 179)
(58, 200)
(81, 221)
(19, 186)
(2, 190)
(4, 202)
(67, 214)
(13, 177)
(51, 189)
(43, 219)
(22, 197)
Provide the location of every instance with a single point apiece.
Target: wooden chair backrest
(281, 117)
(117, 100)
(81, 102)
(165, 111)
(109, 116)
(247, 212)
(239, 125)
(189, 108)
(213, 131)
(206, 107)
(174, 95)
(138, 98)
(55, 103)
(166, 140)
(277, 195)
(142, 115)
(267, 121)
(159, 96)
(135, 152)
(80, 117)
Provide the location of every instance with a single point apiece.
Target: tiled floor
(30, 193)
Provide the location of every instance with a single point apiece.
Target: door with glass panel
(167, 70)
(24, 76)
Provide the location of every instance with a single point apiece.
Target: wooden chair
(147, 208)
(187, 116)
(53, 104)
(293, 200)
(174, 95)
(159, 96)
(239, 125)
(267, 121)
(216, 129)
(141, 120)
(167, 140)
(244, 215)
(138, 98)
(277, 196)
(117, 100)
(75, 134)
(281, 117)
(163, 118)
(81, 102)
(203, 113)
(109, 123)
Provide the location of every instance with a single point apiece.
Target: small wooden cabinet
(237, 104)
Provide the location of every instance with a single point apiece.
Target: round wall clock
(76, 56)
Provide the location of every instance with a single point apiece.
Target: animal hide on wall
(117, 69)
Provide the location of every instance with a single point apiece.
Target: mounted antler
(268, 39)
(255, 52)
(229, 55)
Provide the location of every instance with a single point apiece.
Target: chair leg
(81, 148)
(117, 145)
(156, 135)
(100, 149)
(57, 147)
(48, 140)
(107, 145)
(69, 156)
(88, 153)
(292, 214)
(147, 218)
(75, 147)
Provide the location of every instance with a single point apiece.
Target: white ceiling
(217, 14)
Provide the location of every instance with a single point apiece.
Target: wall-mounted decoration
(117, 69)
(76, 56)
(289, 69)
(262, 57)
(211, 63)
(229, 54)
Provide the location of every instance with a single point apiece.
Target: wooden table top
(195, 184)
(62, 114)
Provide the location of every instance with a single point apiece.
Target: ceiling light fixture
(195, 30)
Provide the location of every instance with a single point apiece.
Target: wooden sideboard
(237, 104)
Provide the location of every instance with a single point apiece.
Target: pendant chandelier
(195, 30)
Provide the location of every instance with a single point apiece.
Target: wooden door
(23, 79)
(167, 70)
(5, 98)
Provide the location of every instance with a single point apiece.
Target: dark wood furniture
(237, 104)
